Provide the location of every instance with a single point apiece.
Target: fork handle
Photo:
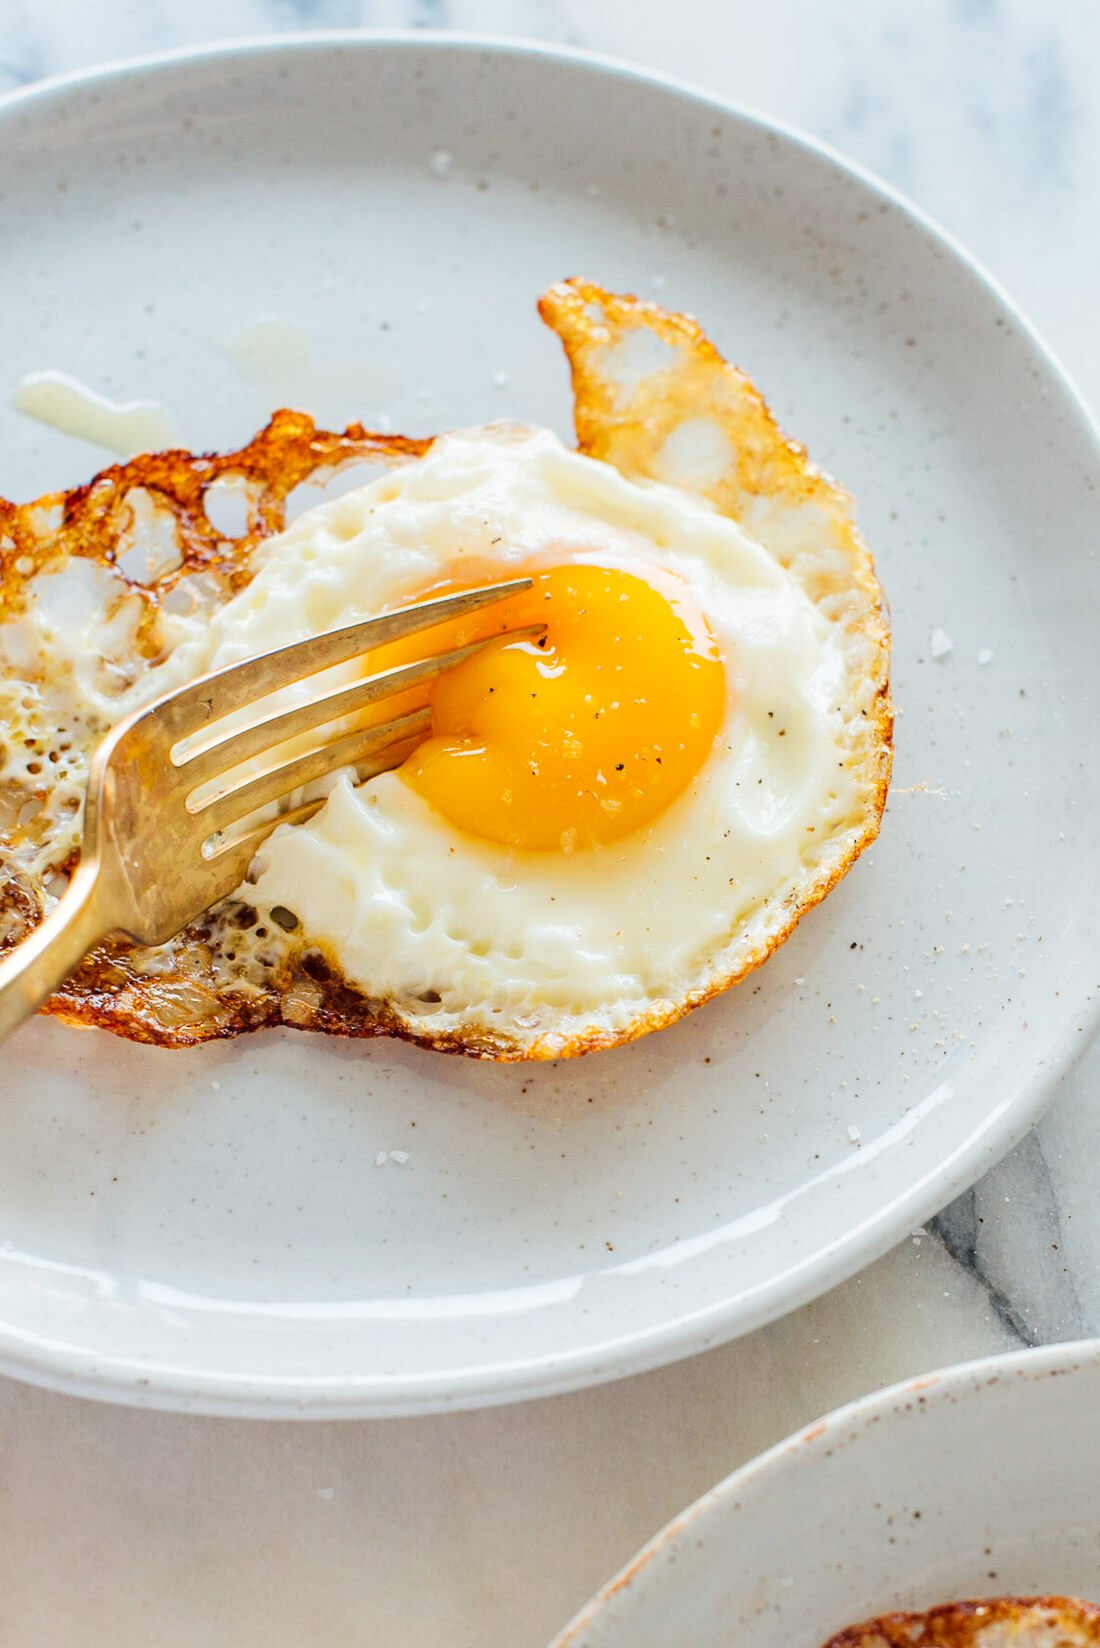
(44, 960)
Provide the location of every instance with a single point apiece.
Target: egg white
(453, 931)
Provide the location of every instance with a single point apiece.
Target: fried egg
(614, 818)
(1003, 1622)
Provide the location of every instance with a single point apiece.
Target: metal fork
(159, 845)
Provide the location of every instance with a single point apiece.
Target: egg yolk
(586, 733)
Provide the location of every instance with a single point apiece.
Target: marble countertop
(488, 1529)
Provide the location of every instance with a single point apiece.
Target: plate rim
(149, 1384)
(957, 1382)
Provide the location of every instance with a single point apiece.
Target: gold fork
(159, 845)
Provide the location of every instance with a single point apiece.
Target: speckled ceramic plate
(980, 1481)
(212, 1230)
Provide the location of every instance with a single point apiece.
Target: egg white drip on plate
(453, 931)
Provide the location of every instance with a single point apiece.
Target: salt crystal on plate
(441, 162)
(500, 379)
(941, 643)
(985, 656)
(854, 1134)
(399, 1156)
(382, 1157)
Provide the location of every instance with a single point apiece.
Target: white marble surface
(488, 1529)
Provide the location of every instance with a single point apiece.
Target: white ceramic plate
(211, 1230)
(980, 1481)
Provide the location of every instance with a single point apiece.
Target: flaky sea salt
(441, 162)
(854, 1134)
(985, 656)
(941, 643)
(399, 1156)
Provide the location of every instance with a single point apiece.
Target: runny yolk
(585, 735)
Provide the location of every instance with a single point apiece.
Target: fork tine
(189, 709)
(208, 759)
(226, 806)
(245, 845)
(232, 857)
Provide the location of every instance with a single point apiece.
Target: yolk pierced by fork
(581, 737)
